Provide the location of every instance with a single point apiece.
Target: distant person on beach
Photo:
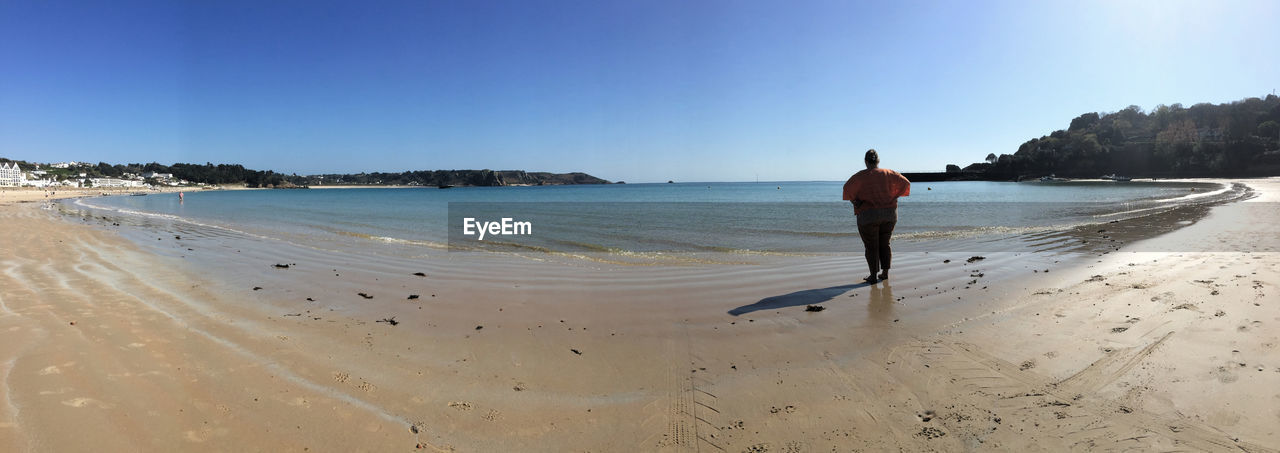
(874, 193)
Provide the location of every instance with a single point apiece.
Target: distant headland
(102, 174)
(1237, 139)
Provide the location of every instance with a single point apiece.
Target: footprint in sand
(460, 405)
(788, 409)
(203, 434)
(85, 402)
(493, 415)
(51, 369)
(794, 446)
(194, 436)
(1224, 375)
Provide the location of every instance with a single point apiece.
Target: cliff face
(520, 177)
(462, 178)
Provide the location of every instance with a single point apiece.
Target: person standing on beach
(874, 193)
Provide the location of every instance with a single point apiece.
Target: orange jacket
(876, 188)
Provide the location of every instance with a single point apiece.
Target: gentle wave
(603, 254)
(390, 240)
(971, 232)
(820, 234)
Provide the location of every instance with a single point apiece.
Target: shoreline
(587, 356)
(18, 195)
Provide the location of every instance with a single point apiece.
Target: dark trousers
(875, 228)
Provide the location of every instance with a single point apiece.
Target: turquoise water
(778, 217)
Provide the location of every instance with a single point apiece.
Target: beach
(1166, 343)
(17, 195)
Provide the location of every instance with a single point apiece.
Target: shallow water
(639, 221)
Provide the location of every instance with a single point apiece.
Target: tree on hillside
(1269, 129)
(1237, 138)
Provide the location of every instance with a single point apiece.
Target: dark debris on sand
(412, 296)
(392, 320)
(814, 308)
(575, 351)
(280, 266)
(366, 296)
(930, 432)
(420, 274)
(257, 288)
(975, 259)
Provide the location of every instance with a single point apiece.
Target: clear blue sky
(638, 91)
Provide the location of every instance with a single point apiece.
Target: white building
(114, 182)
(10, 174)
(38, 182)
(152, 174)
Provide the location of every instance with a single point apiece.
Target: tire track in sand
(686, 413)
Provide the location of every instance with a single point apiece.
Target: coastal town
(75, 175)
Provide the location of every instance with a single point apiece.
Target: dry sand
(106, 347)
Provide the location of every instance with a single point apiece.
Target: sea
(644, 223)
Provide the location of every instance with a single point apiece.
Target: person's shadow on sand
(805, 297)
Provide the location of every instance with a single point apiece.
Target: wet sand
(1123, 350)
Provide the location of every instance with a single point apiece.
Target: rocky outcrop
(521, 177)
